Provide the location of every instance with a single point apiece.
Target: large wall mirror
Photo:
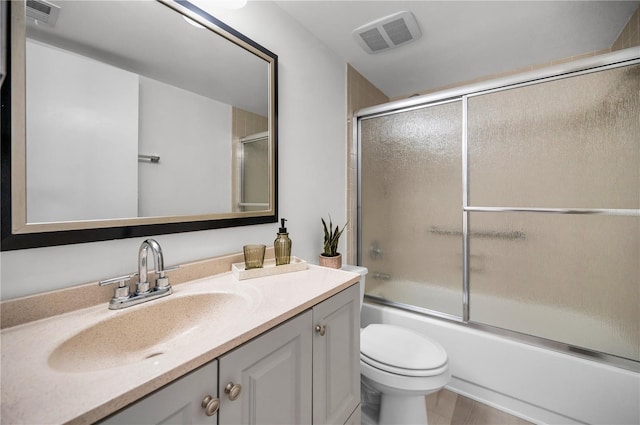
(131, 118)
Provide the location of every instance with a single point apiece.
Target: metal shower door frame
(603, 62)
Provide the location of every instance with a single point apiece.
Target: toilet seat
(418, 373)
(401, 351)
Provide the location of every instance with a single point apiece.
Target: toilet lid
(400, 349)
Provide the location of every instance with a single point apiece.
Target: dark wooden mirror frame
(15, 241)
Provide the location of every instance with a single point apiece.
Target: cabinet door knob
(321, 329)
(233, 390)
(210, 405)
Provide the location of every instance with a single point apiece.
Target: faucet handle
(168, 269)
(162, 281)
(122, 291)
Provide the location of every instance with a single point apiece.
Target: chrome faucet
(123, 298)
(142, 287)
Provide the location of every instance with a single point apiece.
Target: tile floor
(448, 408)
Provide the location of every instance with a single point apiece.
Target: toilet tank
(362, 271)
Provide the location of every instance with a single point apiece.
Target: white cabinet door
(274, 374)
(336, 357)
(178, 403)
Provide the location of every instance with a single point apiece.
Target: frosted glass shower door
(411, 221)
(568, 152)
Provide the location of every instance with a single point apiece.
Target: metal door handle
(233, 390)
(210, 405)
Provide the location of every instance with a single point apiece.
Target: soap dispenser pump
(282, 245)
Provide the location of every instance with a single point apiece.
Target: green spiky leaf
(331, 238)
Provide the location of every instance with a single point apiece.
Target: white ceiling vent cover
(388, 32)
(43, 11)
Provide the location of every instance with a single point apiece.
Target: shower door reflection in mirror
(254, 172)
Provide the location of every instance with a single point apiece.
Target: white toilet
(402, 365)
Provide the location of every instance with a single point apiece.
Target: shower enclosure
(254, 172)
(512, 206)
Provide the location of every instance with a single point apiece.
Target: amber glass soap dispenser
(282, 245)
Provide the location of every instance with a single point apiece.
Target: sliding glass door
(515, 208)
(410, 185)
(561, 160)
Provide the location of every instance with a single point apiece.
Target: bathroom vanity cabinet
(274, 371)
(306, 370)
(180, 402)
(336, 358)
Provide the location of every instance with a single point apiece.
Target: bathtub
(571, 327)
(534, 383)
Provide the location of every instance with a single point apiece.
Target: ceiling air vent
(43, 11)
(388, 32)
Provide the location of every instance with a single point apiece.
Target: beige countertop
(38, 387)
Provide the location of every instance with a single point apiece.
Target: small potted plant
(330, 256)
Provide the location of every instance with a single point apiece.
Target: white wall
(312, 148)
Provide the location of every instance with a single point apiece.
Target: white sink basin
(145, 331)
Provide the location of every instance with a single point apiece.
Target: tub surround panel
(361, 93)
(85, 397)
(630, 35)
(41, 306)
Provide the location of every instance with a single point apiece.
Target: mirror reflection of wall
(83, 132)
(87, 122)
(192, 136)
(96, 109)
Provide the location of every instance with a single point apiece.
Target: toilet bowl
(402, 365)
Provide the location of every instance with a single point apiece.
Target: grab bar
(488, 234)
(380, 276)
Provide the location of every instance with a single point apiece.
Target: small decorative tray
(269, 268)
